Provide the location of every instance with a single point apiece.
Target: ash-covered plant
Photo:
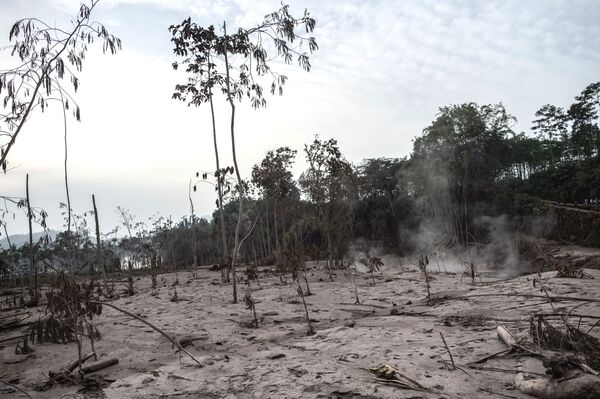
(250, 303)
(153, 278)
(293, 253)
(132, 244)
(439, 254)
(470, 270)
(34, 215)
(563, 336)
(293, 259)
(70, 311)
(330, 184)
(423, 262)
(373, 265)
(350, 267)
(570, 271)
(252, 273)
(311, 330)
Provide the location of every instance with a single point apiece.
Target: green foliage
(457, 161)
(273, 176)
(569, 182)
(330, 184)
(385, 210)
(200, 49)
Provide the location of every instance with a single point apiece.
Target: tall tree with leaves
(551, 126)
(457, 160)
(584, 115)
(197, 46)
(274, 179)
(47, 56)
(329, 183)
(244, 59)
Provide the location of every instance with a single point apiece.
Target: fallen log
(583, 386)
(13, 338)
(553, 298)
(74, 364)
(100, 365)
(17, 388)
(506, 337)
(511, 342)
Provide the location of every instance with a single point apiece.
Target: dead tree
(44, 52)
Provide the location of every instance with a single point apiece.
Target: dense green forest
(467, 165)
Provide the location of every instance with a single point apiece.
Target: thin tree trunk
(224, 276)
(268, 228)
(192, 225)
(99, 258)
(310, 331)
(263, 244)
(32, 268)
(329, 254)
(237, 171)
(71, 249)
(275, 228)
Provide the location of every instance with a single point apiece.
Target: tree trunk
(70, 243)
(32, 268)
(237, 172)
(263, 244)
(192, 226)
(224, 276)
(329, 254)
(276, 228)
(268, 229)
(99, 258)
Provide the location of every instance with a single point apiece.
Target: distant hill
(20, 239)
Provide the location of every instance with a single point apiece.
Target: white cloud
(383, 69)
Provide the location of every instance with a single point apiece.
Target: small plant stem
(448, 350)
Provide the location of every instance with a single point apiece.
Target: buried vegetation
(449, 331)
(468, 269)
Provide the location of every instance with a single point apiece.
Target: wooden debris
(389, 375)
(584, 386)
(570, 271)
(448, 350)
(506, 337)
(181, 348)
(12, 321)
(16, 388)
(74, 364)
(100, 365)
(547, 336)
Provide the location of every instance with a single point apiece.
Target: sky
(382, 71)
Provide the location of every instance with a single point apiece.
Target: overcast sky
(382, 71)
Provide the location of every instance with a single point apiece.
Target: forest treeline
(466, 167)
